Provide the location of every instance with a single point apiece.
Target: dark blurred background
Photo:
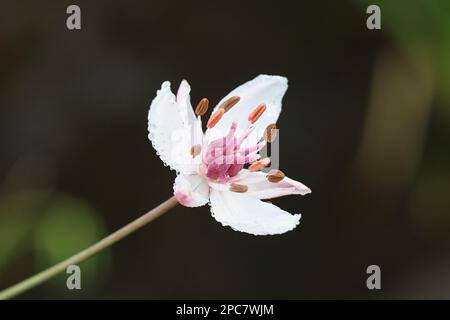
(365, 124)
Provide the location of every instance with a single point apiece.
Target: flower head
(210, 166)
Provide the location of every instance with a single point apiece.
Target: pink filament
(224, 157)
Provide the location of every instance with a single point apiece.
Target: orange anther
(259, 110)
(260, 164)
(215, 117)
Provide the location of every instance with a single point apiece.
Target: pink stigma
(224, 157)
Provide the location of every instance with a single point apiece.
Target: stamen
(216, 116)
(237, 158)
(270, 133)
(275, 176)
(245, 135)
(234, 187)
(224, 158)
(230, 140)
(229, 103)
(259, 110)
(202, 107)
(260, 164)
(232, 130)
(254, 148)
(195, 150)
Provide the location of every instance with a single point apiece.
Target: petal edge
(250, 215)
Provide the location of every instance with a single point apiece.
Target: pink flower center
(225, 157)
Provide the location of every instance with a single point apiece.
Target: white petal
(163, 119)
(263, 89)
(192, 134)
(259, 187)
(184, 102)
(170, 128)
(191, 190)
(183, 139)
(247, 214)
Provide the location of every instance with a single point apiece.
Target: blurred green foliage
(50, 227)
(17, 211)
(67, 226)
(422, 29)
(430, 203)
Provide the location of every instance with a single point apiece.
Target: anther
(234, 187)
(275, 176)
(195, 150)
(270, 133)
(202, 107)
(259, 110)
(216, 116)
(260, 164)
(229, 103)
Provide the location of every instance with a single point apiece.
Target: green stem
(47, 274)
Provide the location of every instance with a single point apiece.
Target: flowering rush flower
(210, 166)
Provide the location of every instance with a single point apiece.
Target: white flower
(210, 165)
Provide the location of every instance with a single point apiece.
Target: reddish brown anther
(270, 133)
(275, 176)
(195, 150)
(202, 107)
(234, 187)
(229, 103)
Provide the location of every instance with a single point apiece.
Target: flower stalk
(47, 274)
